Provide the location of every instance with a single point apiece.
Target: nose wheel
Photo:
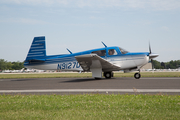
(137, 75)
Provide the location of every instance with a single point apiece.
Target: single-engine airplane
(106, 60)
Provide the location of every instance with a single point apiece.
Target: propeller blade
(152, 64)
(149, 48)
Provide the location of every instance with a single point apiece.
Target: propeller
(151, 56)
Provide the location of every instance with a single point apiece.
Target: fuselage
(67, 62)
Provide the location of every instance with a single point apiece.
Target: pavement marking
(93, 90)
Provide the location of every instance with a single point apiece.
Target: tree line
(5, 65)
(166, 65)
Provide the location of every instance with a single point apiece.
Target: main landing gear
(137, 75)
(108, 75)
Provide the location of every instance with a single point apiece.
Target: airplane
(103, 60)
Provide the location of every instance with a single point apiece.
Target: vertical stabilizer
(37, 50)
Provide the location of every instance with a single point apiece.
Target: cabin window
(112, 52)
(100, 52)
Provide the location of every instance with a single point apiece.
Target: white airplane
(106, 60)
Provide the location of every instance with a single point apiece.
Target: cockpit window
(100, 52)
(123, 51)
(112, 52)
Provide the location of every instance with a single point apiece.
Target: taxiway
(90, 85)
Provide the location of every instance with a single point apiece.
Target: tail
(37, 51)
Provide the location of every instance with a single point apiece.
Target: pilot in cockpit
(111, 52)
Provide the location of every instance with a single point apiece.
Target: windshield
(123, 51)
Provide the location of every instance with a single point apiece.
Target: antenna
(69, 50)
(103, 44)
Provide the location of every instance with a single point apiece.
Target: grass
(85, 75)
(46, 75)
(89, 106)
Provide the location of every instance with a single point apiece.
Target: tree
(163, 65)
(17, 65)
(157, 64)
(4, 65)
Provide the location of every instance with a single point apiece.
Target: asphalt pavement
(90, 85)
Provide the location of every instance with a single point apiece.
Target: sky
(81, 25)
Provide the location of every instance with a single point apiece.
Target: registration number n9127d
(68, 65)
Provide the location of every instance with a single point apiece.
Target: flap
(91, 61)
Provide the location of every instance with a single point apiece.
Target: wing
(91, 61)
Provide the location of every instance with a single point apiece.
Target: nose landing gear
(137, 75)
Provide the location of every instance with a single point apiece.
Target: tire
(137, 75)
(108, 75)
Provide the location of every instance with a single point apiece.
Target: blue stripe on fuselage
(71, 57)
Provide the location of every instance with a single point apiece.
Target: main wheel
(108, 75)
(137, 75)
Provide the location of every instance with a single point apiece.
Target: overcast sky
(82, 24)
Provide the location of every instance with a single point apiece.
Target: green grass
(89, 106)
(86, 75)
(46, 75)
